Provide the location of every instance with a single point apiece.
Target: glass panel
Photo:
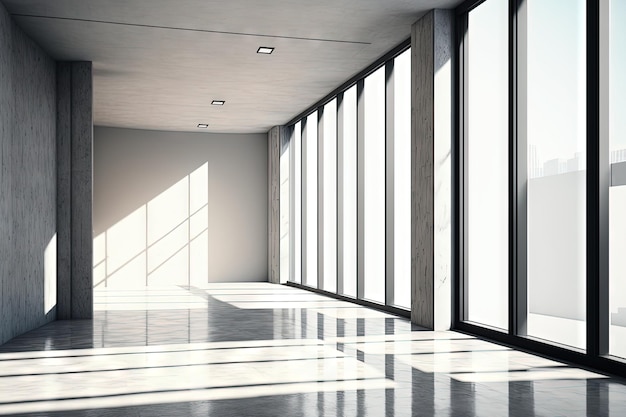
(296, 273)
(617, 193)
(284, 202)
(402, 180)
(348, 191)
(487, 165)
(330, 196)
(556, 171)
(374, 192)
(310, 194)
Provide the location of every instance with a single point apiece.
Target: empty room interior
(326, 208)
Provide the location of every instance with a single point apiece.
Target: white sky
(556, 73)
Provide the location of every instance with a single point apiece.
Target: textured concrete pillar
(273, 213)
(64, 223)
(431, 195)
(74, 190)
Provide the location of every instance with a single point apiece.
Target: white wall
(617, 270)
(556, 252)
(179, 208)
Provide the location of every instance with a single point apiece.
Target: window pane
(309, 145)
(556, 171)
(348, 189)
(487, 164)
(296, 235)
(330, 196)
(402, 180)
(374, 190)
(285, 201)
(617, 193)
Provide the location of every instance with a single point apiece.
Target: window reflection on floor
(262, 349)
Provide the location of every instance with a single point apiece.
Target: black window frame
(597, 184)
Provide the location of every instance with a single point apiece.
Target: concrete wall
(27, 183)
(179, 208)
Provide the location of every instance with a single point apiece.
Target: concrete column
(74, 190)
(275, 136)
(432, 40)
(64, 192)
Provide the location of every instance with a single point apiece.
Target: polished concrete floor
(266, 350)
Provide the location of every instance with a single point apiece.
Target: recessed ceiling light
(265, 50)
(218, 102)
(203, 125)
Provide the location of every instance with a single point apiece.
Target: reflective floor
(267, 350)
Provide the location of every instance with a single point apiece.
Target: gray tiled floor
(268, 350)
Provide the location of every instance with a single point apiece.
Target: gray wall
(27, 182)
(179, 208)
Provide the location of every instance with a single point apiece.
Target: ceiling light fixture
(265, 50)
(218, 102)
(203, 125)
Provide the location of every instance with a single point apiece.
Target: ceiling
(159, 63)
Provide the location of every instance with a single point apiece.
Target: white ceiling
(159, 63)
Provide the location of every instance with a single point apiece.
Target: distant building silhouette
(555, 166)
(618, 156)
(535, 168)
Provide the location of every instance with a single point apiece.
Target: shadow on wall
(175, 208)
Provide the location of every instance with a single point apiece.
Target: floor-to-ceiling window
(547, 77)
(355, 153)
(329, 196)
(284, 208)
(486, 164)
(617, 191)
(373, 190)
(295, 203)
(556, 136)
(347, 193)
(402, 180)
(309, 200)
(550, 135)
(549, 167)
